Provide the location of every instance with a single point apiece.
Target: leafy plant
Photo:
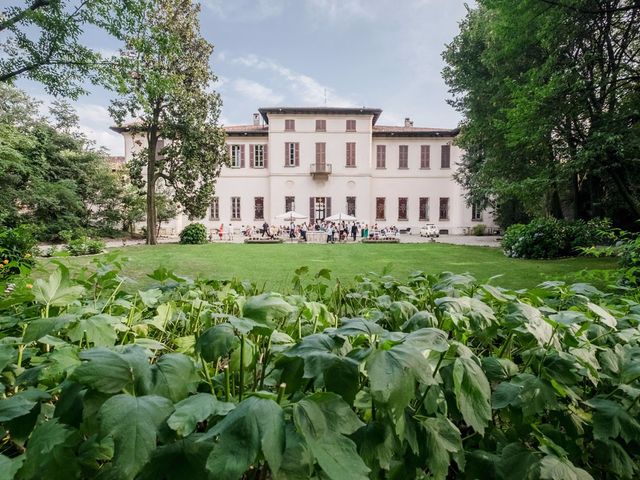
(435, 377)
(195, 233)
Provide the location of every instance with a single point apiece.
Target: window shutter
(312, 204)
(229, 151)
(266, 155)
(251, 155)
(286, 153)
(425, 154)
(348, 161)
(328, 207)
(445, 161)
(297, 154)
(241, 156)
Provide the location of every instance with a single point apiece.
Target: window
(444, 209)
(235, 208)
(319, 208)
(321, 154)
(258, 208)
(258, 156)
(402, 208)
(289, 125)
(351, 206)
(403, 155)
(351, 125)
(380, 208)
(321, 125)
(214, 211)
(236, 156)
(289, 204)
(381, 156)
(425, 156)
(476, 212)
(445, 158)
(424, 208)
(351, 154)
(291, 154)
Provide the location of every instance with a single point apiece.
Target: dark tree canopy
(551, 99)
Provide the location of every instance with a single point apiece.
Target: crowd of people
(341, 231)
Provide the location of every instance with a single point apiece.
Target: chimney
(256, 119)
(408, 122)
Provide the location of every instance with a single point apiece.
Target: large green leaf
(264, 308)
(533, 321)
(255, 426)
(443, 442)
(610, 420)
(473, 393)
(20, 404)
(555, 468)
(217, 342)
(194, 409)
(99, 330)
(174, 376)
(48, 451)
(527, 392)
(182, 459)
(56, 291)
(36, 329)
(133, 423)
(111, 371)
(297, 460)
(321, 419)
(9, 466)
(516, 461)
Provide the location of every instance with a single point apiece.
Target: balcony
(320, 170)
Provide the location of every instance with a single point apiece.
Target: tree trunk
(151, 188)
(627, 196)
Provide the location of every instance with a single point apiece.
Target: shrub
(17, 248)
(553, 238)
(479, 230)
(85, 246)
(193, 234)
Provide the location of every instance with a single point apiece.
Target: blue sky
(375, 53)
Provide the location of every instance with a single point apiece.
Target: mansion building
(320, 161)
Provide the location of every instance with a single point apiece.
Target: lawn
(273, 265)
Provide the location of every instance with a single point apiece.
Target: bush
(193, 234)
(85, 246)
(553, 238)
(17, 249)
(479, 230)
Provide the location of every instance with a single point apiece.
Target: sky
(375, 53)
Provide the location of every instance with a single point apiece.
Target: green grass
(273, 265)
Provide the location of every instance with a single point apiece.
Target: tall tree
(164, 82)
(42, 39)
(549, 90)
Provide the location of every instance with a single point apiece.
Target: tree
(43, 40)
(549, 90)
(52, 177)
(164, 83)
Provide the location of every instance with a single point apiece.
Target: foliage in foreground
(435, 377)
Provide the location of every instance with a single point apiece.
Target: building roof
(247, 130)
(320, 111)
(399, 131)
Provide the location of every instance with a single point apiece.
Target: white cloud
(257, 92)
(112, 141)
(245, 10)
(304, 89)
(342, 10)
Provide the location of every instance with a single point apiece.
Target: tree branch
(36, 5)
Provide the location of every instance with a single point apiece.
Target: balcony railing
(320, 169)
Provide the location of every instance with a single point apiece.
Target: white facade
(312, 179)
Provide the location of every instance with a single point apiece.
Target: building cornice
(374, 112)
